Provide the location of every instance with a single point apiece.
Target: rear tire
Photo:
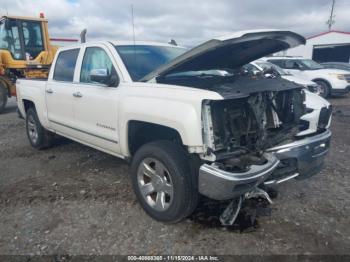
(163, 182)
(38, 136)
(325, 89)
(3, 97)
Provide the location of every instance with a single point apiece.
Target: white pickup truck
(190, 122)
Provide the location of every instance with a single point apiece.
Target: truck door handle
(77, 94)
(49, 91)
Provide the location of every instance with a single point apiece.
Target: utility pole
(331, 20)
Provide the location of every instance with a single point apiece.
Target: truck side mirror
(102, 76)
(113, 81)
(99, 75)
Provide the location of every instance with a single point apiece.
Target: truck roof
(125, 42)
(118, 43)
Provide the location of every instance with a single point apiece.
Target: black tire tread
(179, 156)
(328, 92)
(45, 137)
(4, 95)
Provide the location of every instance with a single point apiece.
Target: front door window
(95, 58)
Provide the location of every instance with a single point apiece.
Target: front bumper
(300, 159)
(218, 184)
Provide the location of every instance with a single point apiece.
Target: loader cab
(23, 38)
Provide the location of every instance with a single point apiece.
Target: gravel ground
(71, 199)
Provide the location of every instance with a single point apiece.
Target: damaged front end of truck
(239, 129)
(252, 131)
(252, 140)
(256, 114)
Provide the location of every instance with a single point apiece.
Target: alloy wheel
(155, 184)
(32, 129)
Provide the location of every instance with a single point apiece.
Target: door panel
(95, 103)
(95, 114)
(59, 101)
(59, 91)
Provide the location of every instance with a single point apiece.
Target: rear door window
(65, 65)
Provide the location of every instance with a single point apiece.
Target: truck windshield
(140, 60)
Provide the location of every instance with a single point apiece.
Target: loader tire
(3, 97)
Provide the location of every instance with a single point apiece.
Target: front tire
(38, 136)
(325, 89)
(163, 182)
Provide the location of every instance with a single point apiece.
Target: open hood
(230, 51)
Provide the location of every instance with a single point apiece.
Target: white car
(262, 65)
(315, 104)
(331, 81)
(186, 129)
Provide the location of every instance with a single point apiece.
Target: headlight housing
(324, 117)
(339, 76)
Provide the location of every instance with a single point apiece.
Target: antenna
(331, 20)
(133, 32)
(133, 24)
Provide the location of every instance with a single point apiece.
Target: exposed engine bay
(245, 127)
(256, 114)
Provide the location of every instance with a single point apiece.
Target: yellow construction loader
(25, 52)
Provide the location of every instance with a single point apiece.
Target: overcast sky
(188, 22)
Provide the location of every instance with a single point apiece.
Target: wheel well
(28, 104)
(140, 133)
(324, 81)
